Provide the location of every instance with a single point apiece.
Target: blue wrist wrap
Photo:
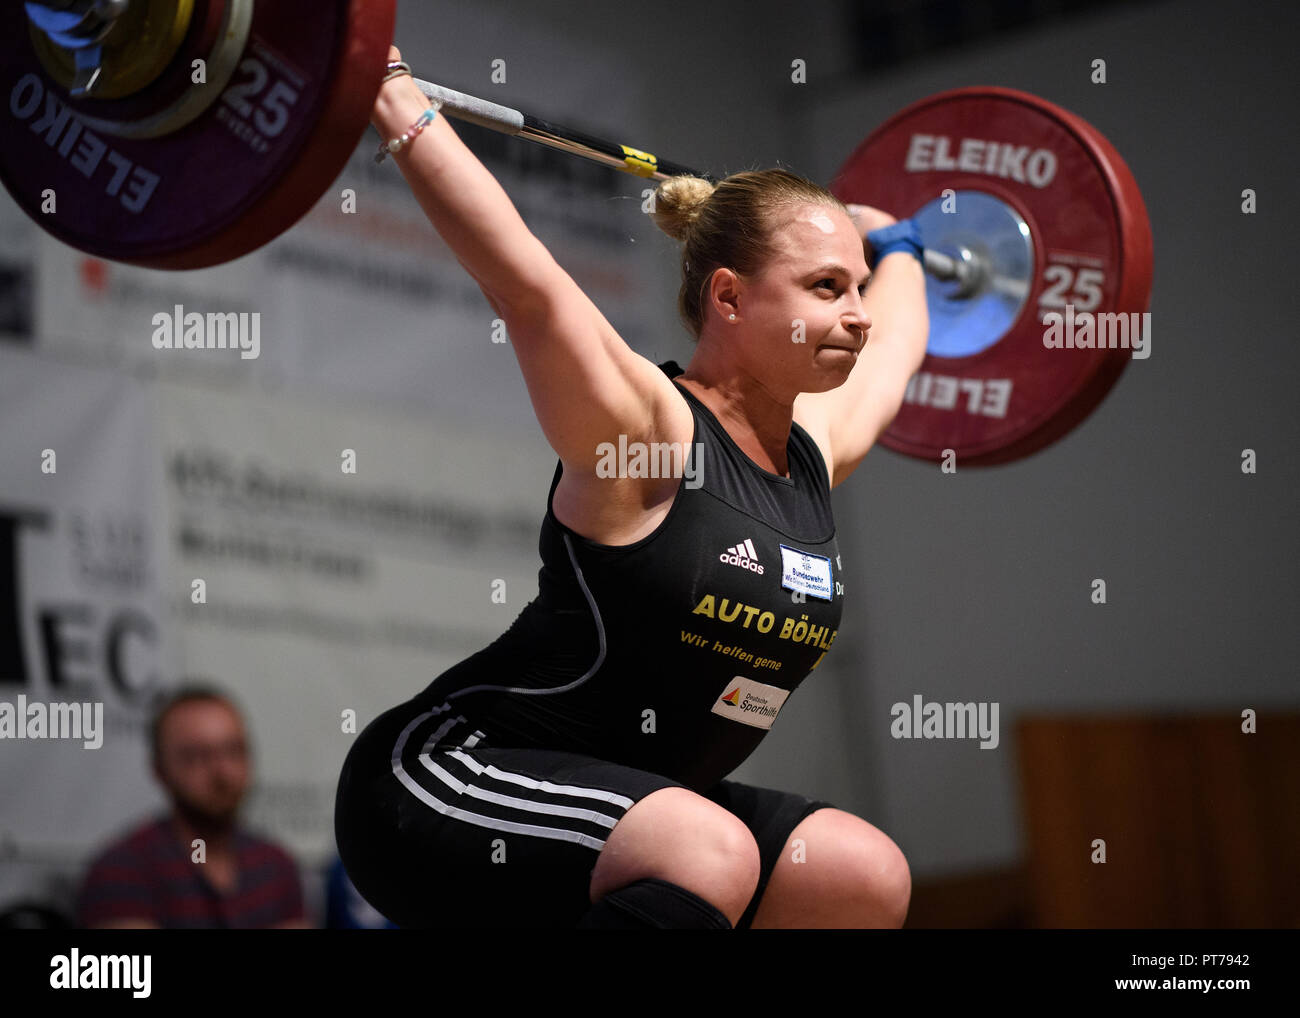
(900, 236)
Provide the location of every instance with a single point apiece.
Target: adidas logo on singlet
(742, 555)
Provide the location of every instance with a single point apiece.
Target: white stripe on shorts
(545, 786)
(429, 799)
(512, 801)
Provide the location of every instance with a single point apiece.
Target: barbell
(180, 134)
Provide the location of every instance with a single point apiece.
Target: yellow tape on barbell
(643, 164)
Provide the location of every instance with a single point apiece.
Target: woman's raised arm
(586, 384)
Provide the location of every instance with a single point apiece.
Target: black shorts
(438, 827)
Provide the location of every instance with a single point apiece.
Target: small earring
(732, 317)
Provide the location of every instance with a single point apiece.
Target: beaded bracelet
(409, 135)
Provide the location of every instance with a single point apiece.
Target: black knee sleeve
(651, 903)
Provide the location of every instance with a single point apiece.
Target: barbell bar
(967, 269)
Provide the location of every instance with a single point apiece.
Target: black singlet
(672, 654)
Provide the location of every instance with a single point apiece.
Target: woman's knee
(848, 875)
(884, 881)
(675, 835)
(897, 883)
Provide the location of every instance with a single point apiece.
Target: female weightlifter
(573, 773)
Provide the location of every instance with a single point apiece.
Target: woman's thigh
(771, 816)
(437, 827)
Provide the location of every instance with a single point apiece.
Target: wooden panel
(984, 900)
(1201, 821)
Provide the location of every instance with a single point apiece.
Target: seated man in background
(156, 876)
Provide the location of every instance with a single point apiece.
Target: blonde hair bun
(677, 204)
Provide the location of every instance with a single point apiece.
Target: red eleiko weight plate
(1085, 215)
(253, 163)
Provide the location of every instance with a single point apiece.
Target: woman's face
(802, 314)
